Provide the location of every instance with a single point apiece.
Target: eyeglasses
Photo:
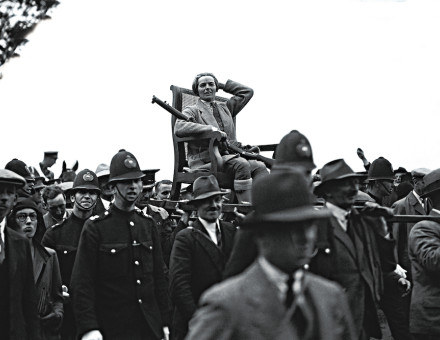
(23, 217)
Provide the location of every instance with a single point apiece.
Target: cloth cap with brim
(420, 172)
(10, 177)
(294, 149)
(102, 170)
(282, 197)
(205, 187)
(335, 171)
(149, 180)
(124, 166)
(431, 182)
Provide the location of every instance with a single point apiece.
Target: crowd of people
(319, 256)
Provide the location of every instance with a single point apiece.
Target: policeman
(64, 237)
(118, 284)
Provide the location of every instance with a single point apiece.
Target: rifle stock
(245, 154)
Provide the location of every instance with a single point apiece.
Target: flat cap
(420, 172)
(10, 177)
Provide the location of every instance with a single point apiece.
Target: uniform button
(138, 282)
(327, 250)
(134, 242)
(132, 223)
(136, 263)
(151, 247)
(140, 301)
(306, 267)
(113, 251)
(106, 213)
(65, 252)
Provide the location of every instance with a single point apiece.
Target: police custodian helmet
(86, 179)
(124, 166)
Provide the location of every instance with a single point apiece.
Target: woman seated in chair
(209, 115)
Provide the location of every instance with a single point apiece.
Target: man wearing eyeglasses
(64, 237)
(18, 297)
(199, 253)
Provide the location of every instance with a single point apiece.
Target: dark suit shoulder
(318, 282)
(57, 225)
(142, 214)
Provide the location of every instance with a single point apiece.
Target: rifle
(235, 149)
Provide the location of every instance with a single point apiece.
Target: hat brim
(17, 182)
(85, 187)
(298, 214)
(103, 173)
(380, 178)
(319, 187)
(129, 176)
(208, 194)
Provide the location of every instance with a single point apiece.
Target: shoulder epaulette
(59, 224)
(143, 213)
(161, 211)
(100, 216)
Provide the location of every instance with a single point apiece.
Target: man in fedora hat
(64, 237)
(18, 297)
(275, 298)
(353, 249)
(199, 253)
(293, 151)
(118, 284)
(424, 253)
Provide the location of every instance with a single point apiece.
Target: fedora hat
(431, 182)
(334, 171)
(206, 186)
(282, 197)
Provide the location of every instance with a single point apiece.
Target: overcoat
(247, 307)
(196, 264)
(424, 252)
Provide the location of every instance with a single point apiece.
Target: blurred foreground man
(275, 298)
(118, 283)
(18, 297)
(424, 253)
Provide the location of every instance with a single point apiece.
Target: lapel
(342, 236)
(202, 237)
(228, 233)
(206, 115)
(40, 261)
(413, 201)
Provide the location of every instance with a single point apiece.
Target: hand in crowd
(400, 271)
(52, 320)
(92, 335)
(405, 286)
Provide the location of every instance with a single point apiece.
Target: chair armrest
(267, 147)
(205, 135)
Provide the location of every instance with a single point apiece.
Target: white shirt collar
(416, 195)
(210, 228)
(2, 229)
(339, 213)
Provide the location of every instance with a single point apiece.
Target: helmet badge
(88, 177)
(130, 163)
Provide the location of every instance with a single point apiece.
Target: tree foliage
(18, 18)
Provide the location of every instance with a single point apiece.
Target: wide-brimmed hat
(294, 149)
(334, 171)
(431, 182)
(205, 187)
(282, 197)
(380, 169)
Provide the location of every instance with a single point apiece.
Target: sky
(346, 73)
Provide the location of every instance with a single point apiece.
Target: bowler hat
(334, 171)
(431, 182)
(282, 197)
(206, 186)
(381, 168)
(10, 177)
(294, 149)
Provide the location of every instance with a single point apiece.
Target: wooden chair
(182, 174)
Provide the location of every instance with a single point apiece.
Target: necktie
(2, 250)
(219, 237)
(350, 229)
(217, 117)
(289, 293)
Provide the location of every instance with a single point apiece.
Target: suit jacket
(198, 154)
(247, 307)
(424, 252)
(409, 205)
(196, 264)
(359, 266)
(48, 282)
(24, 322)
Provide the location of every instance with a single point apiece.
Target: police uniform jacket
(196, 264)
(247, 307)
(198, 154)
(118, 280)
(424, 252)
